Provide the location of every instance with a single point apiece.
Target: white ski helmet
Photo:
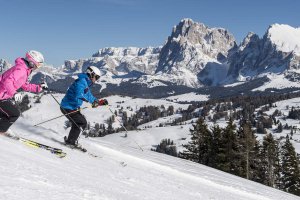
(93, 71)
(35, 57)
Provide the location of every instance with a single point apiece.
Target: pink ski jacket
(14, 78)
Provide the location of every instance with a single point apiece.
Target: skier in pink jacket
(13, 79)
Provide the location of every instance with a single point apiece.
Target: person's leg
(78, 122)
(9, 113)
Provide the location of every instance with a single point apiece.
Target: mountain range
(193, 58)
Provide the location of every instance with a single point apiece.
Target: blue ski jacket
(78, 92)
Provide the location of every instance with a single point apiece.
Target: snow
(234, 84)
(284, 107)
(100, 115)
(188, 97)
(285, 37)
(121, 171)
(277, 81)
(216, 72)
(150, 81)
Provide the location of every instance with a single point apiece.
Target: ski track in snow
(174, 172)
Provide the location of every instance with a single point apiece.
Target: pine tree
(290, 180)
(270, 161)
(256, 164)
(216, 141)
(109, 127)
(279, 128)
(228, 149)
(247, 142)
(199, 148)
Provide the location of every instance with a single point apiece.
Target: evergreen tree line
(143, 115)
(167, 146)
(294, 113)
(237, 151)
(231, 104)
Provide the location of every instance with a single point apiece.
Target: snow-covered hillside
(121, 170)
(279, 81)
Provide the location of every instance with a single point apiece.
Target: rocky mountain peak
(276, 52)
(249, 40)
(4, 65)
(190, 47)
(126, 51)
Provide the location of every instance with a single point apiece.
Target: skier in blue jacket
(78, 92)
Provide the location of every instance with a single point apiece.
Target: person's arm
(31, 87)
(89, 96)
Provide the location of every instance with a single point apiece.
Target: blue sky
(73, 29)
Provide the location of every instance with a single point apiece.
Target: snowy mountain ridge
(190, 48)
(193, 57)
(277, 52)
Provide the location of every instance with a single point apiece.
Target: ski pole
(116, 117)
(61, 116)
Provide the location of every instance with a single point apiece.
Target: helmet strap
(29, 64)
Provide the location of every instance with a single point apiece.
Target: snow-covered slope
(280, 81)
(121, 170)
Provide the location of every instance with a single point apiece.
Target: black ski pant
(9, 113)
(78, 122)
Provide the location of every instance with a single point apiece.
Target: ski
(83, 150)
(31, 143)
(76, 147)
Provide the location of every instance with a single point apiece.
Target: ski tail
(58, 152)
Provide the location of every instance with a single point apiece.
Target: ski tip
(61, 155)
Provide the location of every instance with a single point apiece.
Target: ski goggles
(39, 64)
(97, 77)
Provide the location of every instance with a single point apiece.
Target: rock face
(276, 52)
(191, 48)
(120, 61)
(191, 42)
